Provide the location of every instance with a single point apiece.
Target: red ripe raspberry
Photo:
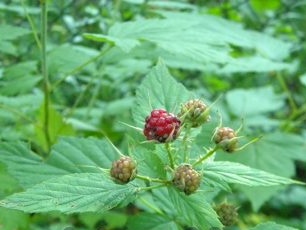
(161, 126)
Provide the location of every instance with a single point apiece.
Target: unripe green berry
(194, 113)
(227, 213)
(226, 138)
(186, 179)
(123, 170)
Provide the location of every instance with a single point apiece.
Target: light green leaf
(13, 219)
(56, 127)
(271, 154)
(253, 64)
(151, 221)
(24, 165)
(19, 78)
(253, 101)
(126, 44)
(158, 91)
(82, 155)
(194, 210)
(79, 192)
(204, 39)
(259, 195)
(303, 79)
(231, 172)
(272, 226)
(9, 32)
(69, 155)
(8, 48)
(66, 58)
(149, 163)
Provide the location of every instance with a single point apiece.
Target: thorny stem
(44, 70)
(170, 156)
(34, 30)
(206, 156)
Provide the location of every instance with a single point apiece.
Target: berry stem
(171, 160)
(149, 179)
(152, 187)
(206, 156)
(185, 142)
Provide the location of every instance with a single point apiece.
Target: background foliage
(251, 53)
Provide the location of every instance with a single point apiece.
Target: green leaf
(274, 153)
(9, 32)
(149, 163)
(303, 79)
(204, 39)
(272, 226)
(13, 219)
(158, 90)
(67, 58)
(151, 221)
(69, 155)
(253, 101)
(25, 165)
(194, 210)
(19, 78)
(231, 172)
(78, 192)
(125, 44)
(82, 155)
(56, 127)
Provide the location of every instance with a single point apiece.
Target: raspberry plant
(166, 171)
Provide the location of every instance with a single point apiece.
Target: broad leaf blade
(79, 192)
(25, 165)
(194, 210)
(82, 154)
(151, 221)
(158, 90)
(231, 172)
(271, 154)
(272, 226)
(69, 155)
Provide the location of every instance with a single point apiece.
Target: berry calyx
(194, 113)
(123, 170)
(227, 213)
(226, 138)
(186, 179)
(161, 126)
